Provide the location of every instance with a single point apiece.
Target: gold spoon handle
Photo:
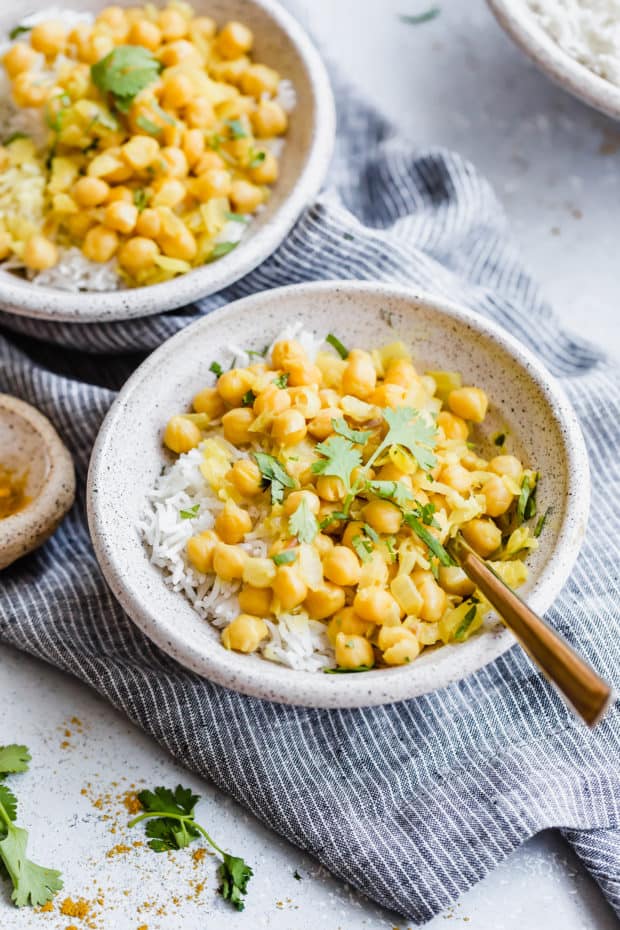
(587, 693)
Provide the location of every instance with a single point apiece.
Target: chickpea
(330, 488)
(125, 194)
(342, 566)
(377, 606)
(233, 384)
(259, 572)
(114, 17)
(401, 371)
(289, 586)
(172, 133)
(173, 26)
(306, 400)
(323, 544)
(207, 161)
(121, 216)
(181, 435)
(388, 395)
(321, 425)
(507, 465)
(269, 119)
(90, 192)
(329, 397)
(100, 244)
(148, 223)
(200, 549)
(193, 146)
(383, 516)
(453, 427)
(302, 373)
(236, 424)
(289, 428)
(245, 633)
(20, 57)
(295, 498)
(434, 598)
(454, 580)
(347, 621)
(324, 601)
(232, 523)
(140, 151)
(178, 91)
(272, 400)
(137, 254)
(48, 37)
(285, 351)
(145, 33)
(27, 92)
(235, 39)
(258, 80)
(353, 651)
(327, 512)
(78, 224)
(256, 601)
(354, 528)
(229, 561)
(359, 377)
(170, 193)
(175, 160)
(216, 182)
(39, 253)
(199, 114)
(179, 51)
(246, 477)
(402, 652)
(203, 26)
(457, 477)
(497, 496)
(470, 403)
(391, 472)
(265, 171)
(245, 197)
(483, 536)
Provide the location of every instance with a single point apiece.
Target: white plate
(128, 456)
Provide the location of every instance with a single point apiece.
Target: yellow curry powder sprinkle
(79, 908)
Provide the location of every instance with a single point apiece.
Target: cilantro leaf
(353, 435)
(32, 884)
(220, 249)
(124, 72)
(465, 623)
(234, 875)
(342, 351)
(13, 758)
(396, 490)
(274, 475)
(248, 398)
(340, 459)
(18, 31)
(282, 380)
(189, 514)
(363, 547)
(303, 524)
(526, 504)
(140, 198)
(237, 129)
(167, 833)
(409, 430)
(433, 544)
(165, 801)
(284, 558)
(256, 158)
(9, 803)
(426, 514)
(216, 368)
(237, 217)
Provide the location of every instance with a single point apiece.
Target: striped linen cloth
(414, 802)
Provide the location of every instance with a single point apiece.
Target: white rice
(296, 640)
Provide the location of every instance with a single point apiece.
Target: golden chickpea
(258, 80)
(383, 516)
(483, 536)
(39, 253)
(48, 37)
(245, 633)
(434, 600)
(232, 523)
(148, 223)
(199, 114)
(20, 57)
(235, 39)
(325, 601)
(321, 425)
(388, 395)
(391, 472)
(233, 384)
(203, 26)
(330, 488)
(78, 224)
(342, 566)
(179, 90)
(98, 47)
(507, 465)
(323, 544)
(327, 512)
(457, 477)
(120, 192)
(100, 244)
(179, 51)
(170, 192)
(172, 24)
(285, 351)
(121, 216)
(181, 435)
(272, 400)
(256, 601)
(359, 377)
(27, 91)
(265, 171)
(470, 403)
(497, 496)
(402, 652)
(145, 33)
(180, 245)
(216, 182)
(200, 549)
(269, 119)
(347, 621)
(172, 134)
(289, 428)
(140, 152)
(303, 373)
(246, 477)
(137, 254)
(306, 400)
(353, 651)
(377, 606)
(261, 572)
(329, 397)
(245, 197)
(401, 371)
(289, 586)
(90, 192)
(229, 561)
(236, 424)
(453, 427)
(454, 580)
(175, 160)
(193, 146)
(354, 528)
(114, 17)
(295, 498)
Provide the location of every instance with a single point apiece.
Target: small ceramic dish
(520, 23)
(525, 402)
(31, 448)
(279, 41)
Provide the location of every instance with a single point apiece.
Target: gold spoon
(577, 682)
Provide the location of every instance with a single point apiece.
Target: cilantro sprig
(274, 476)
(342, 350)
(32, 884)
(172, 825)
(124, 72)
(303, 523)
(340, 458)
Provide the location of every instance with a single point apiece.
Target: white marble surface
(455, 81)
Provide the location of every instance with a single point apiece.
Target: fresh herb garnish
(216, 368)
(396, 490)
(172, 825)
(148, 125)
(248, 398)
(162, 113)
(333, 517)
(14, 137)
(256, 159)
(465, 623)
(303, 523)
(526, 504)
(353, 435)
(220, 249)
(337, 345)
(141, 198)
(340, 460)
(389, 545)
(426, 514)
(284, 558)
(282, 380)
(428, 539)
(237, 129)
(32, 884)
(189, 514)
(237, 217)
(274, 476)
(541, 522)
(18, 31)
(408, 429)
(419, 18)
(363, 547)
(124, 72)
(346, 671)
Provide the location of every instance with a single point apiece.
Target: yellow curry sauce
(13, 497)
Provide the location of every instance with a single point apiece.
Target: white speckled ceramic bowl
(280, 42)
(30, 445)
(520, 23)
(128, 456)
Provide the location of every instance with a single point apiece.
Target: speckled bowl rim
(278, 683)
(37, 521)
(519, 23)
(48, 303)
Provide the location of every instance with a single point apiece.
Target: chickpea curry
(355, 470)
(13, 497)
(160, 133)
